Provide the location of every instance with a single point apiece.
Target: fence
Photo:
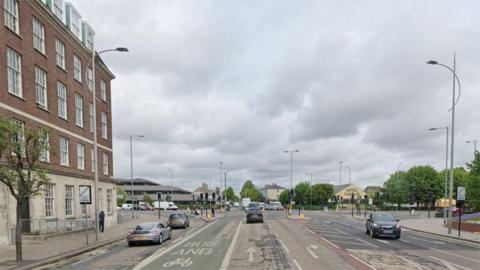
(51, 226)
(124, 215)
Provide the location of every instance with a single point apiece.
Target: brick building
(46, 80)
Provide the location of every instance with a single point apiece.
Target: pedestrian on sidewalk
(101, 220)
(213, 212)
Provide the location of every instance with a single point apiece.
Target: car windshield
(383, 217)
(145, 226)
(175, 216)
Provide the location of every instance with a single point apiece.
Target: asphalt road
(412, 251)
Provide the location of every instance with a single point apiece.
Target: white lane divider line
(362, 261)
(405, 241)
(161, 252)
(228, 255)
(309, 249)
(420, 239)
(342, 232)
(330, 243)
(363, 241)
(284, 246)
(297, 265)
(453, 254)
(348, 242)
(310, 231)
(450, 265)
(383, 241)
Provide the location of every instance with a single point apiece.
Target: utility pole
(221, 174)
(340, 163)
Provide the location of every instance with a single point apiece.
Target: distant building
(371, 190)
(142, 186)
(202, 189)
(272, 192)
(345, 191)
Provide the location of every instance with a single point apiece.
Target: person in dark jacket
(101, 220)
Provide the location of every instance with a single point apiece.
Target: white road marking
(228, 255)
(348, 242)
(296, 264)
(450, 265)
(250, 252)
(412, 263)
(90, 258)
(383, 241)
(361, 240)
(284, 246)
(453, 254)
(339, 236)
(362, 261)
(310, 231)
(435, 242)
(340, 231)
(401, 240)
(161, 252)
(309, 249)
(332, 244)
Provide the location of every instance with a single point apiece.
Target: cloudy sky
(242, 81)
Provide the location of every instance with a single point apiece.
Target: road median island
(441, 235)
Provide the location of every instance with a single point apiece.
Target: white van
(127, 206)
(165, 205)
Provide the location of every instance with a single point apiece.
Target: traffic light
(201, 196)
(430, 196)
(352, 199)
(206, 196)
(213, 196)
(377, 196)
(159, 196)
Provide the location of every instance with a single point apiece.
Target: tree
(121, 196)
(230, 194)
(21, 149)
(397, 188)
(147, 199)
(321, 193)
(472, 188)
(420, 180)
(250, 191)
(302, 193)
(283, 197)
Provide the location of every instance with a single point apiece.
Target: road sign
(85, 194)
(460, 193)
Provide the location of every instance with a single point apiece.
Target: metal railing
(52, 226)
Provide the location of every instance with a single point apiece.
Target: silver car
(149, 232)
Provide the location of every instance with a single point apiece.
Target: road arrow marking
(250, 252)
(309, 249)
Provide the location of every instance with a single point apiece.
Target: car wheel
(371, 234)
(160, 239)
(130, 244)
(367, 232)
(397, 237)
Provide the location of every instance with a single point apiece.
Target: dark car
(178, 220)
(383, 224)
(254, 213)
(148, 232)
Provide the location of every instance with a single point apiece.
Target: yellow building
(345, 191)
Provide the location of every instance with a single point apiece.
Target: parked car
(236, 204)
(383, 224)
(178, 220)
(127, 206)
(254, 213)
(149, 232)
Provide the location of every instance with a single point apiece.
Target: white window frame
(14, 73)
(78, 110)
(20, 136)
(58, 9)
(80, 156)
(92, 159)
(77, 68)
(104, 125)
(41, 87)
(62, 100)
(92, 116)
(90, 79)
(38, 35)
(105, 164)
(69, 200)
(60, 53)
(109, 201)
(45, 154)
(49, 200)
(10, 13)
(64, 151)
(103, 90)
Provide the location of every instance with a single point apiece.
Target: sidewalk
(436, 226)
(62, 245)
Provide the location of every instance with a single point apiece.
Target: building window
(75, 24)
(78, 110)
(77, 68)
(49, 195)
(92, 159)
(11, 15)
(58, 9)
(41, 87)
(100, 199)
(45, 154)
(80, 156)
(103, 90)
(38, 35)
(64, 161)
(90, 79)
(104, 126)
(92, 116)
(62, 100)
(19, 138)
(14, 72)
(105, 163)
(60, 53)
(69, 200)
(109, 201)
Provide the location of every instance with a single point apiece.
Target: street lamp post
(171, 182)
(131, 173)
(221, 176)
(452, 144)
(446, 170)
(311, 182)
(340, 164)
(95, 143)
(474, 146)
(291, 173)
